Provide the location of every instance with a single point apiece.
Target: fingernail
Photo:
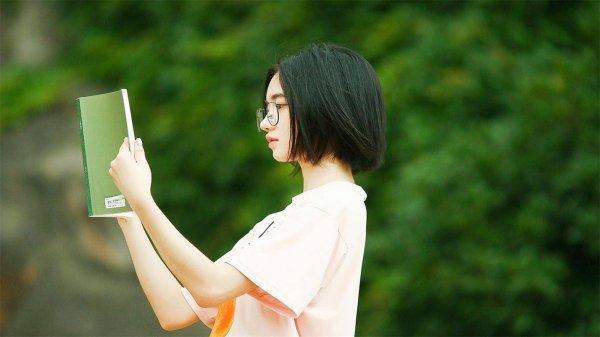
(138, 141)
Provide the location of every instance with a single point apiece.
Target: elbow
(172, 324)
(172, 319)
(169, 326)
(207, 298)
(211, 292)
(208, 301)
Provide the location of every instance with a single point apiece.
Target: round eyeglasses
(272, 117)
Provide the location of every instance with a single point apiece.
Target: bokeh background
(484, 221)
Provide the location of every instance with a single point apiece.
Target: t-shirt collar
(350, 187)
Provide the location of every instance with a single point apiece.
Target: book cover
(104, 121)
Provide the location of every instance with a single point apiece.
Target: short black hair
(336, 106)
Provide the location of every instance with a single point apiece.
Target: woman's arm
(210, 284)
(160, 286)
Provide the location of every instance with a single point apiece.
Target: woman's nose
(265, 125)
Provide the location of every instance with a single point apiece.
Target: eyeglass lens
(272, 118)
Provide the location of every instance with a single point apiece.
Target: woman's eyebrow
(276, 96)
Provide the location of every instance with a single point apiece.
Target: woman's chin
(281, 157)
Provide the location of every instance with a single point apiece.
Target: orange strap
(224, 319)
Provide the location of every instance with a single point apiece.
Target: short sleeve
(288, 261)
(206, 315)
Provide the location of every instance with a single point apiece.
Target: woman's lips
(271, 141)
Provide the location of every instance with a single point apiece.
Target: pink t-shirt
(306, 261)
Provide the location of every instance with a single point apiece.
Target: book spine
(85, 168)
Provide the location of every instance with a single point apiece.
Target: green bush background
(484, 219)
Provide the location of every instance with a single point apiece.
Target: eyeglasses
(272, 117)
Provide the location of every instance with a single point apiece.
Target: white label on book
(114, 202)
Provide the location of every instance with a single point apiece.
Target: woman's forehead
(274, 90)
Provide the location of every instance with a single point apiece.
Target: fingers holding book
(131, 173)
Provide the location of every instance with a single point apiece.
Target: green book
(104, 121)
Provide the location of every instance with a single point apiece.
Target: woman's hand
(132, 175)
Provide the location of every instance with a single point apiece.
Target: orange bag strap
(224, 319)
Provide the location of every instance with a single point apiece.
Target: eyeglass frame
(262, 113)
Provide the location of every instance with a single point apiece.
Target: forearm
(210, 284)
(160, 286)
(192, 268)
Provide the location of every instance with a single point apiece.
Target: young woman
(297, 272)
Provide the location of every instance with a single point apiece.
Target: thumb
(140, 155)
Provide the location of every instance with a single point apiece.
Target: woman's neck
(326, 171)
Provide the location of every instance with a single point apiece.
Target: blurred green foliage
(485, 218)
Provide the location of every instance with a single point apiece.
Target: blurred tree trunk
(70, 273)
(31, 38)
(61, 273)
